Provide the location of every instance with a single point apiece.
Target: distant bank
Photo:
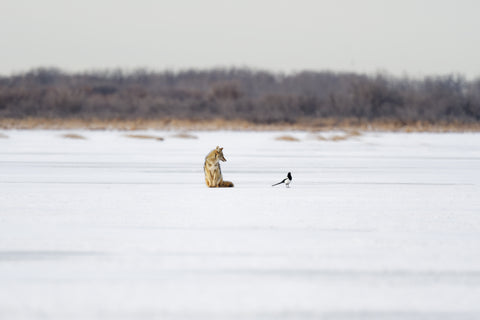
(237, 99)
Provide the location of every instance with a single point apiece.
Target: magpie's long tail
(276, 184)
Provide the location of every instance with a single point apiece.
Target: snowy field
(379, 226)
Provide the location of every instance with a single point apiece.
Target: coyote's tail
(226, 184)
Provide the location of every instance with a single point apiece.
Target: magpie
(287, 181)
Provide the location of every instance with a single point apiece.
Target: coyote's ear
(221, 149)
(217, 148)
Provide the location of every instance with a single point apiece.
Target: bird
(287, 181)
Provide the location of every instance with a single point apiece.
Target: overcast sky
(413, 37)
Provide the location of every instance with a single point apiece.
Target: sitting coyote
(213, 173)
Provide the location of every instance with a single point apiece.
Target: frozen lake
(379, 226)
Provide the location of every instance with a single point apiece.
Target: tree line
(238, 94)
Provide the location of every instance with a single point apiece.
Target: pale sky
(412, 37)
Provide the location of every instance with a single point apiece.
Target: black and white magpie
(287, 181)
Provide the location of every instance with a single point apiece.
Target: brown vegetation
(241, 98)
(175, 124)
(184, 135)
(73, 136)
(144, 136)
(337, 137)
(287, 138)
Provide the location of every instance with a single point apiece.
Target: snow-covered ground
(379, 226)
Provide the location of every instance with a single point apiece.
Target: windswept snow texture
(379, 226)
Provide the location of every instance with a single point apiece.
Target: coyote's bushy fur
(213, 173)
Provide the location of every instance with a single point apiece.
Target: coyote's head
(219, 154)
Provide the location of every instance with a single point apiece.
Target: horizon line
(254, 69)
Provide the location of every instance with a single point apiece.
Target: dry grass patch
(319, 137)
(338, 137)
(354, 133)
(287, 138)
(73, 136)
(184, 135)
(144, 136)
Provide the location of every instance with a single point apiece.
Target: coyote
(213, 173)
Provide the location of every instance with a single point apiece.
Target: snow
(379, 226)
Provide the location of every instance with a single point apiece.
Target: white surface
(382, 226)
